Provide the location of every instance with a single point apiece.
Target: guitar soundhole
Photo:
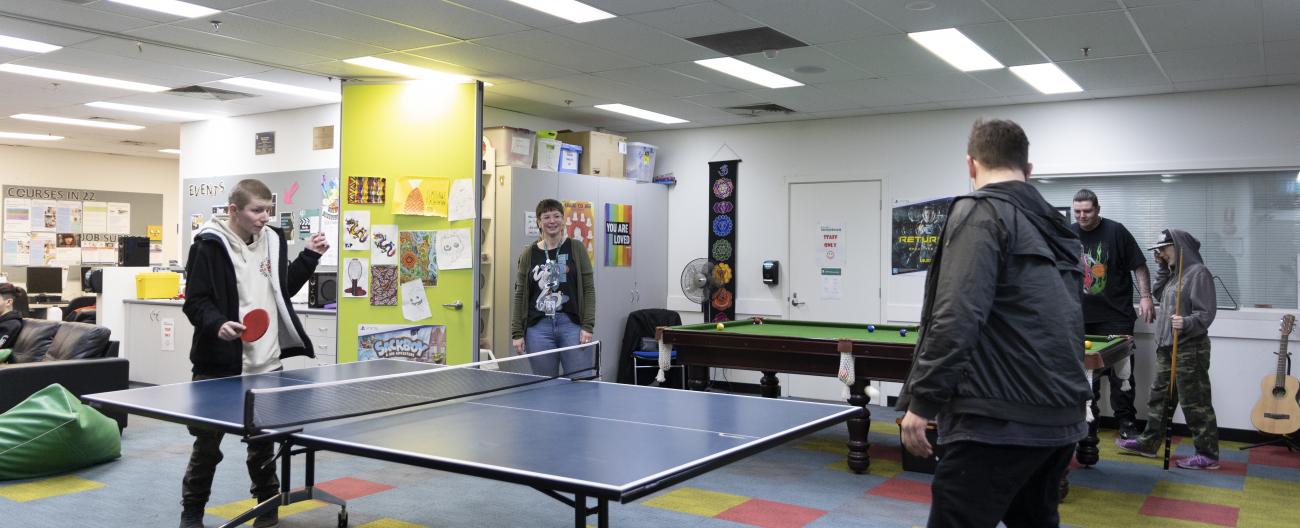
(1279, 392)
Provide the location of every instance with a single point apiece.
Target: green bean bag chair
(52, 432)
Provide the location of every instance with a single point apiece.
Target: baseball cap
(1165, 240)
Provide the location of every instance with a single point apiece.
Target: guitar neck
(1281, 360)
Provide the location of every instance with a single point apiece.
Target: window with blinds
(1246, 222)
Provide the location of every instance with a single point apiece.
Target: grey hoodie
(1198, 299)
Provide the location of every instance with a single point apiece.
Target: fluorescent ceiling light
(955, 49)
(170, 151)
(171, 7)
(570, 10)
(81, 78)
(643, 114)
(414, 72)
(283, 88)
(76, 122)
(152, 111)
(1046, 78)
(22, 44)
(748, 72)
(32, 137)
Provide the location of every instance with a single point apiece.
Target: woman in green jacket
(554, 298)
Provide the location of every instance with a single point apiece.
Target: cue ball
(902, 332)
(1087, 345)
(871, 328)
(720, 326)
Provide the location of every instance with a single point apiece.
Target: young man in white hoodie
(235, 266)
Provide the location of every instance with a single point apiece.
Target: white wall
(224, 147)
(73, 169)
(498, 117)
(921, 155)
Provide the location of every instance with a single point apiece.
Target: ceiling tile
(552, 48)
(1201, 24)
(806, 99)
(1281, 20)
(941, 87)
(787, 60)
(1213, 63)
(606, 90)
(225, 45)
(72, 14)
(171, 56)
(813, 21)
(1004, 43)
(545, 94)
(1024, 9)
(874, 92)
(1117, 72)
(1105, 34)
(280, 36)
(58, 36)
(1005, 82)
(1282, 58)
(888, 55)
(705, 18)
(663, 81)
(1127, 91)
(636, 40)
(945, 14)
(1221, 84)
(723, 100)
(492, 61)
(631, 7)
(440, 17)
(93, 63)
(329, 20)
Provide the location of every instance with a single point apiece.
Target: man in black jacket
(999, 357)
(236, 266)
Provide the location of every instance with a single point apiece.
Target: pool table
(799, 347)
(1106, 351)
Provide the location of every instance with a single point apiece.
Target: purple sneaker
(1197, 462)
(1132, 447)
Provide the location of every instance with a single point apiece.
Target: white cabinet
(322, 330)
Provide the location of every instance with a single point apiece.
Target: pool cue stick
(1173, 363)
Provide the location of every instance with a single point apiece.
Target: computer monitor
(44, 280)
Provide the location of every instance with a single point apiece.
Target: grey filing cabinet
(619, 290)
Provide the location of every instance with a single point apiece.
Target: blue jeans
(556, 332)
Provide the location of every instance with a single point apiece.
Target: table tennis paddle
(255, 323)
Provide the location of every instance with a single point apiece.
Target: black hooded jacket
(1002, 325)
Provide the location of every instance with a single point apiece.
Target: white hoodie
(255, 276)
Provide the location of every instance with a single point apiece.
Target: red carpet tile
(1275, 456)
(884, 452)
(1190, 511)
(903, 489)
(348, 488)
(1231, 467)
(768, 514)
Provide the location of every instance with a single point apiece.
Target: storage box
(602, 154)
(640, 162)
(157, 285)
(570, 158)
(918, 464)
(547, 134)
(514, 146)
(548, 154)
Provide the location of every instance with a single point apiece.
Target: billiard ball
(871, 328)
(720, 326)
(1087, 345)
(902, 332)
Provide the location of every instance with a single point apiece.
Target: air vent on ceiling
(209, 93)
(760, 109)
(134, 143)
(745, 41)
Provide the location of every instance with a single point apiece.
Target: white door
(835, 263)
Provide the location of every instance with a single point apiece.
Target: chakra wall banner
(618, 235)
(721, 305)
(915, 233)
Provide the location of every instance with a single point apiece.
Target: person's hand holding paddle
(230, 331)
(255, 323)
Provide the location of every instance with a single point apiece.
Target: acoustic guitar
(1277, 411)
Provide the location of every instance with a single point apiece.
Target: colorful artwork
(329, 202)
(366, 191)
(721, 251)
(383, 285)
(916, 229)
(618, 235)
(722, 225)
(425, 343)
(723, 187)
(355, 277)
(419, 260)
(383, 244)
(1094, 270)
(356, 230)
(421, 196)
(580, 224)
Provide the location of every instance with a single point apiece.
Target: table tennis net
(280, 407)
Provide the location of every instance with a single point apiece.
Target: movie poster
(916, 230)
(424, 343)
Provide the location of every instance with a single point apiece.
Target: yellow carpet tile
(231, 510)
(1094, 507)
(45, 488)
(696, 501)
(1267, 503)
(391, 523)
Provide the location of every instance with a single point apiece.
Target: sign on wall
(618, 235)
(916, 230)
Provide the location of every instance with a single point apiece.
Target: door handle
(454, 306)
(794, 300)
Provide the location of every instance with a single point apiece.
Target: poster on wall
(68, 247)
(68, 216)
(618, 235)
(18, 215)
(424, 343)
(366, 191)
(832, 254)
(460, 205)
(94, 217)
(17, 249)
(44, 216)
(421, 196)
(721, 306)
(916, 229)
(356, 230)
(580, 224)
(383, 244)
(355, 277)
(453, 249)
(383, 285)
(263, 143)
(45, 251)
(419, 259)
(119, 218)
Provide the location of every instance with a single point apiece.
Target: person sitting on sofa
(13, 304)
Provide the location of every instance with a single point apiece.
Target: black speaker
(133, 251)
(322, 289)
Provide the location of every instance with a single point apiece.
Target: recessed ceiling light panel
(956, 49)
(76, 122)
(151, 110)
(80, 78)
(407, 70)
(748, 72)
(22, 44)
(289, 89)
(570, 10)
(29, 137)
(171, 7)
(1046, 78)
(641, 113)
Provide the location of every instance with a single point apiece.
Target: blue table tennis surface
(608, 440)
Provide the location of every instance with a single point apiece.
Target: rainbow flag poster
(618, 235)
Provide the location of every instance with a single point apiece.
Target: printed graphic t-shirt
(551, 283)
(1110, 254)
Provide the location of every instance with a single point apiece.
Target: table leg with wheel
(859, 460)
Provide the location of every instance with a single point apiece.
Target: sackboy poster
(916, 234)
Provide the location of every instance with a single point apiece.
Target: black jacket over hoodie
(212, 299)
(10, 324)
(1002, 325)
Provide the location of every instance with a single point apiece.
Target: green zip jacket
(586, 289)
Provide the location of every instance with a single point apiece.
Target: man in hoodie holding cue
(999, 357)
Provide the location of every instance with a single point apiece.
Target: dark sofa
(78, 356)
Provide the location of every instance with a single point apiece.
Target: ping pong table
(589, 439)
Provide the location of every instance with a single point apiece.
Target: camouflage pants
(1191, 390)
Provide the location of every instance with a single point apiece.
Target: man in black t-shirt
(1109, 254)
